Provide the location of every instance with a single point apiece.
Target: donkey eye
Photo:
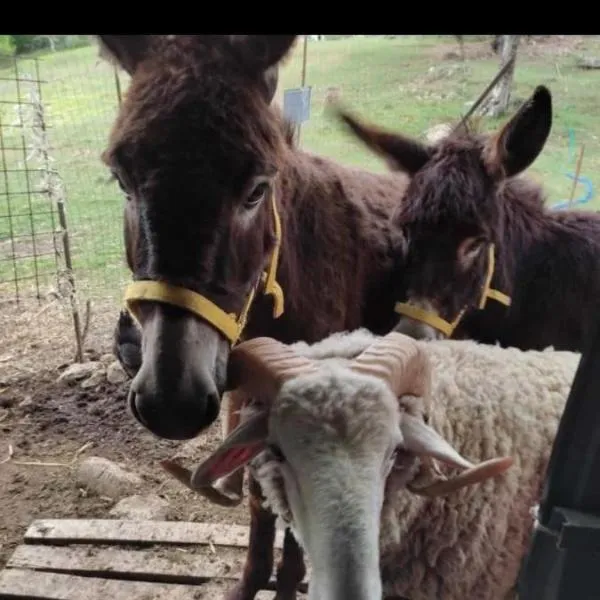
(276, 452)
(257, 194)
(119, 182)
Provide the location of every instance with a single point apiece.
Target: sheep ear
(422, 440)
(236, 451)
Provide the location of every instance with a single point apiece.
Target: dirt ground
(534, 47)
(46, 420)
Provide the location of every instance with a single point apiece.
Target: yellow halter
(448, 327)
(229, 324)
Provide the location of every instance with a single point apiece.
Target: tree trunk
(461, 45)
(496, 44)
(497, 103)
(51, 42)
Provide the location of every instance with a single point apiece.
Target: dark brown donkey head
(195, 149)
(451, 215)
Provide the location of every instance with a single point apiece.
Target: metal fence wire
(29, 253)
(59, 212)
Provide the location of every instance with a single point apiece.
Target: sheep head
(330, 434)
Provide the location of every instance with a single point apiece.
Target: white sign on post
(296, 104)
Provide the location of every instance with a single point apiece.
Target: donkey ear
(521, 140)
(271, 79)
(125, 50)
(259, 52)
(401, 153)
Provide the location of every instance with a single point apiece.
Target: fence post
(56, 194)
(303, 79)
(118, 86)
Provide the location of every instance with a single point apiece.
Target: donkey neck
(335, 243)
(524, 220)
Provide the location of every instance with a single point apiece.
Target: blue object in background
(296, 104)
(589, 186)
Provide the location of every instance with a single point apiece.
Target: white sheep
(357, 436)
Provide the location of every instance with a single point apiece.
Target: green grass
(387, 81)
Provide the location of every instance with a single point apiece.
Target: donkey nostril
(416, 330)
(132, 400)
(213, 406)
(174, 416)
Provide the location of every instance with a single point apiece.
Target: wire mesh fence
(55, 116)
(82, 101)
(28, 217)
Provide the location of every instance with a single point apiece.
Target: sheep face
(338, 441)
(334, 436)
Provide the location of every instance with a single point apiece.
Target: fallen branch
(588, 62)
(484, 94)
(25, 463)
(43, 309)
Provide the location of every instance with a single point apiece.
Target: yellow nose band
(431, 319)
(229, 324)
(448, 327)
(487, 291)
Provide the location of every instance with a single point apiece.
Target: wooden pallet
(109, 559)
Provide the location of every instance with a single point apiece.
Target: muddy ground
(47, 420)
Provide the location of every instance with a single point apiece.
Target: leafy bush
(23, 43)
(30, 43)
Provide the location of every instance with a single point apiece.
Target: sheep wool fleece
(486, 401)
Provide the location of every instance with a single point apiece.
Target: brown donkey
(216, 196)
(485, 259)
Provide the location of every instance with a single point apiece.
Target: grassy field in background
(407, 84)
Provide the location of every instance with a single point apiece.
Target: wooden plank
(106, 531)
(40, 585)
(167, 565)
(269, 595)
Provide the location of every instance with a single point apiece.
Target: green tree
(7, 45)
(23, 43)
(29, 43)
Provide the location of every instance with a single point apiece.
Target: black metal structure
(563, 562)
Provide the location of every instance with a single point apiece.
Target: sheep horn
(209, 492)
(262, 365)
(397, 359)
(478, 473)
